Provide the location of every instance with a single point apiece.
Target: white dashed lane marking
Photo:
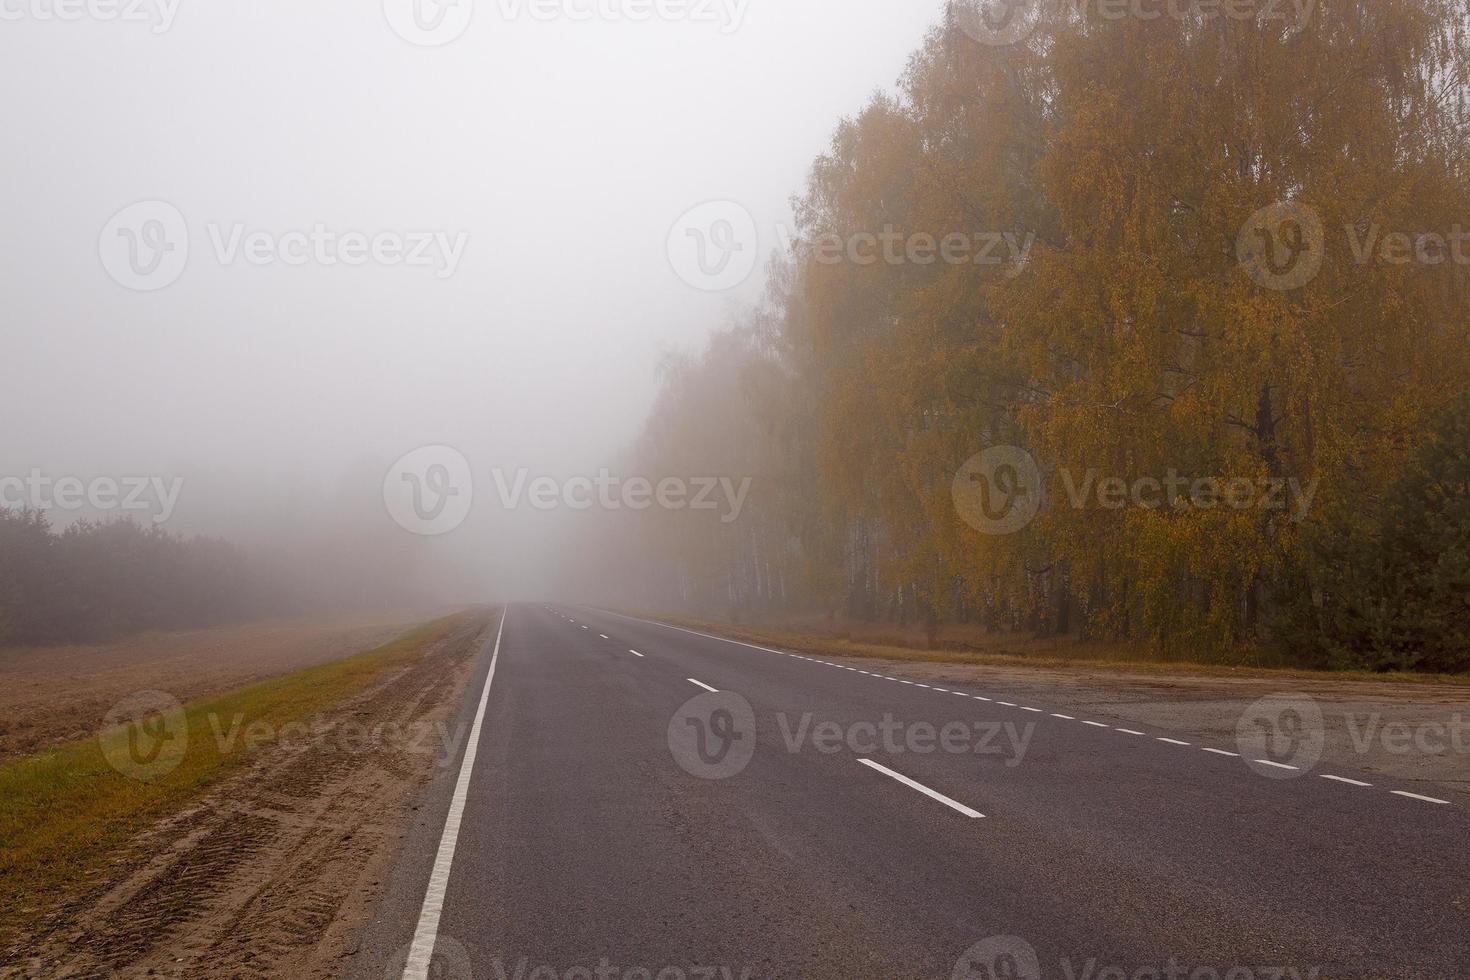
(1010, 704)
(952, 804)
(1416, 796)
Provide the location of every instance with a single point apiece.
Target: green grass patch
(66, 811)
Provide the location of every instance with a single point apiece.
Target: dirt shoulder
(50, 695)
(273, 871)
(1410, 729)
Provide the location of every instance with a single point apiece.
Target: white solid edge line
(1344, 779)
(702, 684)
(952, 804)
(1416, 796)
(635, 653)
(421, 953)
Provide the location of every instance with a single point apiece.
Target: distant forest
(1133, 340)
(94, 582)
(91, 582)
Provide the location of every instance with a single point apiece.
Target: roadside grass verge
(66, 811)
(1024, 652)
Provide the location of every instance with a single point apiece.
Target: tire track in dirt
(273, 872)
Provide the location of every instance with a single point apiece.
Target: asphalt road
(814, 820)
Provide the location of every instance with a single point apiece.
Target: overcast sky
(548, 159)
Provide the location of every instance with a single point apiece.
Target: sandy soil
(57, 694)
(273, 874)
(1400, 729)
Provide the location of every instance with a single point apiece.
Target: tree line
(98, 581)
(1215, 246)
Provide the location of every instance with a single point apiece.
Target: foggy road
(609, 822)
